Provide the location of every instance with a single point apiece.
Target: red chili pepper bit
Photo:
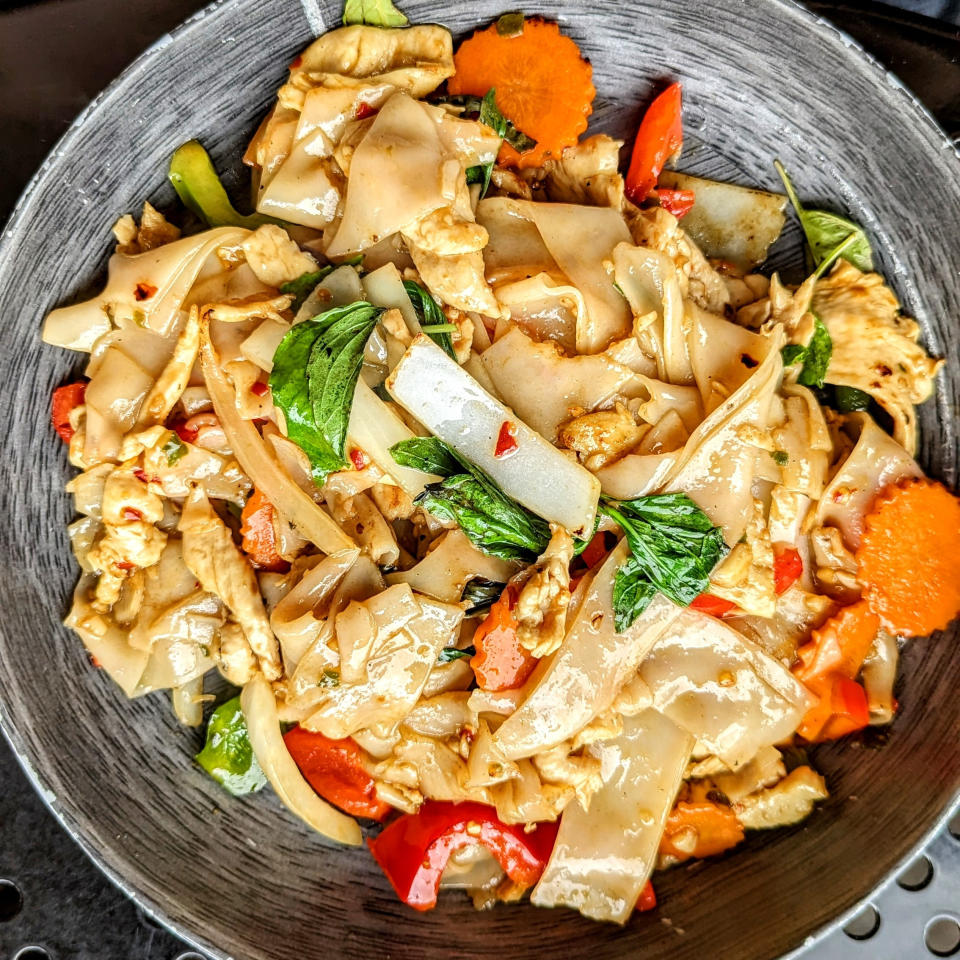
(143, 291)
(260, 388)
(647, 899)
(131, 513)
(506, 440)
(296, 63)
(358, 458)
(364, 110)
(184, 431)
(125, 565)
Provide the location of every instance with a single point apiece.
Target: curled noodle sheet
(168, 271)
(605, 854)
(717, 466)
(721, 688)
(723, 355)
(587, 672)
(396, 671)
(875, 462)
(399, 174)
(580, 239)
(543, 387)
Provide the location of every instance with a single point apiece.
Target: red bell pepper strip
(500, 663)
(714, 606)
(660, 136)
(336, 770)
(787, 569)
(677, 202)
(595, 550)
(647, 899)
(414, 850)
(66, 399)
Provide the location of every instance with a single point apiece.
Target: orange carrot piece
(716, 827)
(910, 557)
(842, 709)
(500, 663)
(259, 534)
(839, 646)
(542, 84)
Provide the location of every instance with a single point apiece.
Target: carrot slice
(909, 557)
(542, 84)
(500, 663)
(840, 645)
(700, 830)
(259, 535)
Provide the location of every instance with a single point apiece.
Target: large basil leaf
(828, 234)
(673, 548)
(315, 372)
(467, 496)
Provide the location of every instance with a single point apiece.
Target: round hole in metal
(954, 826)
(917, 876)
(864, 925)
(32, 953)
(11, 900)
(942, 936)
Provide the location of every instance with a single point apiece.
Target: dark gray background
(54, 57)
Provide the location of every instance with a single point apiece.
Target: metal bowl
(242, 878)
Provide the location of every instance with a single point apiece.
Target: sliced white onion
(341, 287)
(263, 726)
(251, 451)
(384, 288)
(730, 222)
(374, 428)
(450, 403)
(262, 344)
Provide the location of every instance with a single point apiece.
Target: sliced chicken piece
(221, 568)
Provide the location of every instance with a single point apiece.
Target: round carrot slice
(543, 85)
(910, 557)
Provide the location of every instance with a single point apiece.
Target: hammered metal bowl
(242, 878)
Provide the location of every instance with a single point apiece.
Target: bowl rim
(32, 764)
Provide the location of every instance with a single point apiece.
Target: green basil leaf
(674, 546)
(793, 353)
(303, 286)
(374, 13)
(850, 399)
(315, 372)
(227, 755)
(632, 594)
(817, 356)
(174, 449)
(199, 188)
(329, 678)
(490, 115)
(827, 232)
(493, 523)
(427, 454)
(480, 594)
(780, 457)
(467, 496)
(430, 315)
(449, 654)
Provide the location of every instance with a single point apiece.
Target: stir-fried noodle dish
(535, 533)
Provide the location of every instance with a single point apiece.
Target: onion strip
(263, 726)
(310, 520)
